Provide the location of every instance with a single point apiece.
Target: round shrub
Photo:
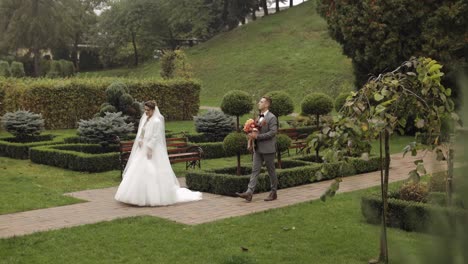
(55, 70)
(4, 69)
(236, 103)
(416, 192)
(107, 108)
(119, 100)
(17, 69)
(67, 68)
(23, 124)
(340, 101)
(317, 104)
(214, 124)
(235, 143)
(282, 104)
(104, 130)
(283, 142)
(115, 91)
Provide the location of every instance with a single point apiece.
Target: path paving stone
(101, 205)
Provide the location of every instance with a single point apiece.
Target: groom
(264, 151)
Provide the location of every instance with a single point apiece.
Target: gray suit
(264, 151)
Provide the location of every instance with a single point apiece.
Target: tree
(378, 35)
(137, 24)
(374, 112)
(84, 18)
(236, 103)
(34, 25)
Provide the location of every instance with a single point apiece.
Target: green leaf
(448, 92)
(420, 123)
(378, 97)
(379, 109)
(416, 162)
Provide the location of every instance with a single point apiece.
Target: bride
(148, 178)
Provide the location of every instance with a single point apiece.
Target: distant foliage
(17, 69)
(236, 103)
(4, 69)
(214, 124)
(23, 124)
(105, 130)
(174, 64)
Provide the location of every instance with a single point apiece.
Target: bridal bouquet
(249, 127)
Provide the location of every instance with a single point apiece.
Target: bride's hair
(151, 104)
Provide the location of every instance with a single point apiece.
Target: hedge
(353, 165)
(17, 150)
(63, 102)
(412, 216)
(78, 157)
(214, 181)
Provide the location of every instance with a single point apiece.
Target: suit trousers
(258, 159)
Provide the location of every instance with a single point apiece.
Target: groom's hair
(268, 99)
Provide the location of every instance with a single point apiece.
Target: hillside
(289, 51)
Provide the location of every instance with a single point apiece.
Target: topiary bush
(17, 69)
(105, 130)
(67, 68)
(235, 143)
(340, 101)
(55, 70)
(282, 144)
(236, 103)
(214, 124)
(23, 124)
(282, 104)
(4, 69)
(317, 104)
(416, 192)
(119, 100)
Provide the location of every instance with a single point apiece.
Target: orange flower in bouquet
(249, 127)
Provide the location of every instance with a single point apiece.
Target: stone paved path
(101, 205)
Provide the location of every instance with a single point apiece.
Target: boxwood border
(410, 215)
(21, 150)
(72, 157)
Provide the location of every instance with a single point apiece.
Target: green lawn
(312, 232)
(289, 51)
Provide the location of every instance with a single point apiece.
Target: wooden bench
(298, 140)
(178, 150)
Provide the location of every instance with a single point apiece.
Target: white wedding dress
(151, 182)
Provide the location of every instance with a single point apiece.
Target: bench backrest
(172, 143)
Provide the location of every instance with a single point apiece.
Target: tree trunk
(254, 15)
(36, 53)
(265, 7)
(291, 3)
(384, 175)
(318, 121)
(135, 50)
(237, 124)
(449, 184)
(277, 6)
(75, 52)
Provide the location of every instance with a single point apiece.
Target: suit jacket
(266, 139)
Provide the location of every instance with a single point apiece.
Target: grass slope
(289, 51)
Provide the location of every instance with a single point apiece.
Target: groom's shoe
(273, 196)
(246, 195)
